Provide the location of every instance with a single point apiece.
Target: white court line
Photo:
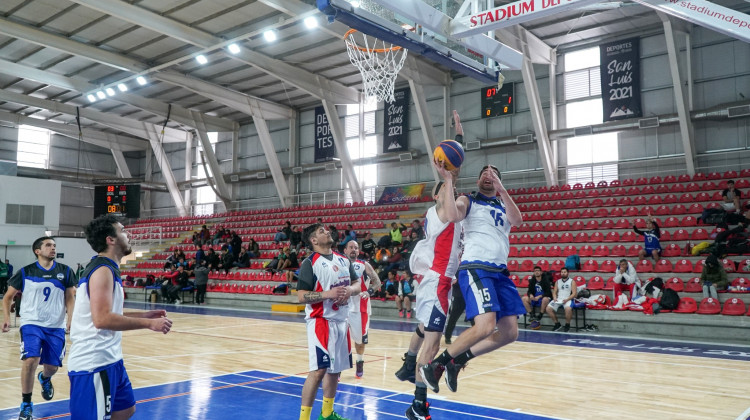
(745, 415)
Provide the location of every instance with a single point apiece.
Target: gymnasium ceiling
(316, 54)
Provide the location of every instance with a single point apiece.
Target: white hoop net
(378, 61)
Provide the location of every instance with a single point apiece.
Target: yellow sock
(327, 407)
(304, 413)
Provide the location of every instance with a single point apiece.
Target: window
(362, 144)
(33, 147)
(205, 197)
(21, 214)
(586, 154)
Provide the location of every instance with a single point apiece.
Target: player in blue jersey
(48, 289)
(492, 299)
(651, 237)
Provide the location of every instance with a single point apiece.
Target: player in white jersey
(48, 289)
(360, 307)
(99, 385)
(326, 282)
(435, 258)
(562, 296)
(492, 299)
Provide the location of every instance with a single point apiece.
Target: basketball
(451, 153)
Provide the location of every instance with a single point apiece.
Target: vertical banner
(621, 79)
(395, 134)
(324, 147)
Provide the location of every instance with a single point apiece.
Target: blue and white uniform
(43, 310)
(99, 384)
(482, 273)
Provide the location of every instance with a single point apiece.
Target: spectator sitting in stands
(334, 233)
(713, 277)
(405, 295)
(218, 235)
(368, 246)
(226, 260)
(417, 227)
(651, 238)
(253, 249)
(175, 257)
(166, 280)
(389, 288)
(562, 296)
(349, 235)
(731, 197)
(538, 295)
(205, 236)
(395, 261)
(352, 232)
(296, 238)
(243, 259)
(626, 280)
(409, 245)
(395, 233)
(196, 238)
(178, 282)
(284, 259)
(212, 259)
(284, 233)
(382, 256)
(190, 266)
(236, 243)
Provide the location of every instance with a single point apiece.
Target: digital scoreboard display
(117, 200)
(497, 102)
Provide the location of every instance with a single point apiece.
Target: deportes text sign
(324, 147)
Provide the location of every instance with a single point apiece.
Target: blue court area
(265, 395)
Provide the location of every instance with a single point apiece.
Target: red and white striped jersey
(439, 250)
(356, 303)
(320, 273)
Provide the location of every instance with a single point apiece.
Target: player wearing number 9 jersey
(492, 300)
(48, 292)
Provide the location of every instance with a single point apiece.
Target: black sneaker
(431, 375)
(27, 410)
(566, 328)
(48, 391)
(557, 327)
(408, 369)
(360, 369)
(418, 411)
(451, 375)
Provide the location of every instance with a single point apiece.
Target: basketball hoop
(378, 61)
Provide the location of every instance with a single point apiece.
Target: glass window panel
(583, 113)
(582, 59)
(353, 147)
(370, 146)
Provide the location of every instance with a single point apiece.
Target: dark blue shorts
(536, 303)
(489, 291)
(96, 395)
(46, 343)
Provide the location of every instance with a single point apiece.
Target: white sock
(360, 357)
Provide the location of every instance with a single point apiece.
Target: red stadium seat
(669, 199)
(580, 281)
(590, 266)
(692, 187)
(743, 266)
(553, 238)
(634, 251)
(644, 266)
(671, 222)
(674, 283)
(615, 212)
(540, 251)
(596, 237)
(557, 265)
(525, 239)
(610, 284)
(554, 251)
(678, 209)
(524, 282)
(588, 213)
(714, 176)
(640, 200)
(680, 235)
(618, 251)
(693, 285)
(596, 283)
(569, 250)
(631, 211)
(512, 252)
(525, 251)
(728, 265)
(562, 226)
(741, 282)
(686, 198)
(662, 189)
(601, 251)
(591, 225)
(537, 227)
(629, 236)
(662, 210)
(677, 188)
(526, 265)
(698, 266)
(672, 250)
(687, 305)
(709, 306)
(639, 222)
(612, 237)
(581, 237)
(543, 264)
(586, 251)
(663, 266)
(683, 266)
(515, 279)
(734, 307)
(601, 184)
(512, 265)
(695, 208)
(608, 266)
(567, 237)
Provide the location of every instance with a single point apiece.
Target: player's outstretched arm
(375, 283)
(447, 206)
(100, 287)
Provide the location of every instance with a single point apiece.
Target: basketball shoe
(451, 375)
(431, 375)
(418, 411)
(360, 368)
(407, 371)
(48, 391)
(27, 410)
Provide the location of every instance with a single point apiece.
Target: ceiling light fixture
(101, 95)
(110, 91)
(311, 22)
(234, 48)
(123, 87)
(91, 98)
(201, 59)
(141, 80)
(269, 35)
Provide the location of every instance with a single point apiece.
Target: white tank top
(94, 348)
(329, 274)
(486, 229)
(356, 303)
(440, 249)
(563, 288)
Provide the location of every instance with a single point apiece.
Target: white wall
(38, 192)
(75, 250)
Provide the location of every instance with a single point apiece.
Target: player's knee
(31, 361)
(484, 325)
(525, 299)
(419, 332)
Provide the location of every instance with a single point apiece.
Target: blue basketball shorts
(489, 291)
(46, 343)
(96, 395)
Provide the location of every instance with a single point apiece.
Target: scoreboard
(117, 200)
(497, 102)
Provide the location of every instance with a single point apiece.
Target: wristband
(371, 291)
